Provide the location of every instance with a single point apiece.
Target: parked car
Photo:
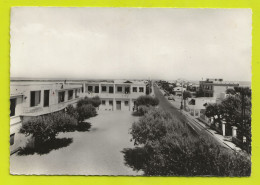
(171, 98)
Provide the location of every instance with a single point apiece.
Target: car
(171, 98)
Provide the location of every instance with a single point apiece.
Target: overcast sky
(131, 43)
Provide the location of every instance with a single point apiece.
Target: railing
(35, 111)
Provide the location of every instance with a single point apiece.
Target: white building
(196, 106)
(34, 98)
(117, 94)
(31, 99)
(178, 90)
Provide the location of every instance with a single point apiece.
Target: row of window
(61, 95)
(103, 102)
(208, 87)
(111, 89)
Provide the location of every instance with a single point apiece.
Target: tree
(186, 95)
(46, 127)
(167, 147)
(85, 112)
(70, 110)
(95, 101)
(147, 101)
(230, 91)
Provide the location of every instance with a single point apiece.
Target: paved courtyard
(95, 152)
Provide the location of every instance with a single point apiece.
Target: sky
(131, 43)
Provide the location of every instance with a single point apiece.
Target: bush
(70, 110)
(95, 101)
(142, 109)
(147, 100)
(169, 148)
(85, 112)
(44, 128)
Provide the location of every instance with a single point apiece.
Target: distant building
(178, 90)
(117, 94)
(197, 106)
(215, 87)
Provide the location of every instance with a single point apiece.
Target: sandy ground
(97, 152)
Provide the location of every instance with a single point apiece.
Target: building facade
(30, 99)
(215, 87)
(117, 94)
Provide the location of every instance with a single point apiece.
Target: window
(103, 102)
(96, 89)
(70, 94)
(12, 106)
(90, 88)
(104, 88)
(134, 89)
(126, 103)
(11, 139)
(61, 96)
(111, 89)
(35, 98)
(127, 90)
(46, 98)
(110, 102)
(119, 89)
(141, 89)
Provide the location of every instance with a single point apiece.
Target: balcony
(115, 95)
(39, 110)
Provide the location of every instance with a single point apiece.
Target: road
(195, 126)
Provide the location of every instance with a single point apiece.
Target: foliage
(243, 91)
(44, 128)
(95, 101)
(167, 147)
(186, 95)
(142, 109)
(230, 91)
(70, 110)
(147, 100)
(85, 112)
(230, 109)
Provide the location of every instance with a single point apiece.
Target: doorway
(118, 105)
(46, 98)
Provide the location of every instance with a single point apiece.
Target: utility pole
(181, 95)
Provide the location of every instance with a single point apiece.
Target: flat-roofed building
(34, 98)
(116, 94)
(215, 87)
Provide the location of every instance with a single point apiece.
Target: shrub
(44, 128)
(147, 100)
(70, 110)
(63, 122)
(169, 148)
(142, 109)
(85, 112)
(95, 101)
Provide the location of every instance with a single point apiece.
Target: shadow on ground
(83, 127)
(46, 147)
(137, 114)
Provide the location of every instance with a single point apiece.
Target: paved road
(192, 123)
(97, 152)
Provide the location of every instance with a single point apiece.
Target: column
(234, 131)
(223, 128)
(99, 88)
(114, 88)
(41, 98)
